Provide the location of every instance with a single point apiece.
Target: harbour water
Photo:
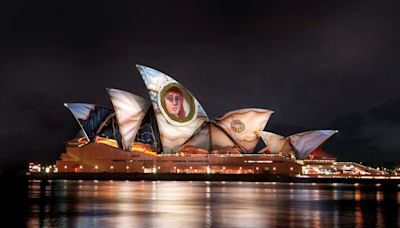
(66, 203)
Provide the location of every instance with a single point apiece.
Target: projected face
(174, 100)
(176, 104)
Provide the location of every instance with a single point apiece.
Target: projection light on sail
(130, 110)
(243, 124)
(219, 138)
(306, 142)
(199, 142)
(177, 111)
(274, 142)
(89, 116)
(210, 137)
(277, 144)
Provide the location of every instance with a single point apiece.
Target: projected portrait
(176, 104)
(237, 126)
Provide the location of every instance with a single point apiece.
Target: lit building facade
(171, 133)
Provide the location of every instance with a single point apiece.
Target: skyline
(317, 65)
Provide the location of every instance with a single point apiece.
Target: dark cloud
(388, 110)
(369, 135)
(317, 64)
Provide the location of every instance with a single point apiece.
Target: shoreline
(215, 177)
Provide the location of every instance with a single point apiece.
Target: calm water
(208, 204)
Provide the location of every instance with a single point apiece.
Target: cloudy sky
(317, 64)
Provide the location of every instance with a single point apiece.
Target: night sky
(317, 64)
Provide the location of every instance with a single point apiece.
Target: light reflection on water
(208, 204)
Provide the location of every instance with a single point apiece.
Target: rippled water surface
(208, 204)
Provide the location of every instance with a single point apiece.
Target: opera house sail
(177, 111)
(306, 142)
(130, 110)
(276, 144)
(242, 125)
(96, 121)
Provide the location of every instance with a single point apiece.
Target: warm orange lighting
(65, 167)
(174, 167)
(96, 167)
(274, 168)
(81, 167)
(127, 167)
(291, 168)
(111, 167)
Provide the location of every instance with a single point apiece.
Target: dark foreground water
(206, 204)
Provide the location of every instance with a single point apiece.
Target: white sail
(243, 124)
(81, 111)
(130, 110)
(219, 138)
(306, 142)
(177, 111)
(274, 142)
(83, 115)
(201, 138)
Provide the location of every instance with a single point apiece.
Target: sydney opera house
(170, 132)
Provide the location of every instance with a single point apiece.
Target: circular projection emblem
(176, 104)
(237, 126)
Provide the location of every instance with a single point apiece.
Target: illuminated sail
(177, 111)
(243, 124)
(200, 139)
(130, 110)
(274, 142)
(90, 117)
(306, 142)
(211, 137)
(287, 149)
(219, 138)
